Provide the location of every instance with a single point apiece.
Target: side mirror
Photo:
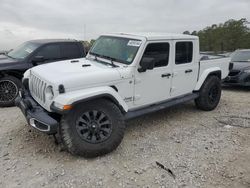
(147, 63)
(38, 59)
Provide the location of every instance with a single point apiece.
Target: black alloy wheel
(8, 90)
(209, 94)
(213, 94)
(94, 126)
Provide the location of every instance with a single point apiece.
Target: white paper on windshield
(129, 59)
(134, 43)
(28, 50)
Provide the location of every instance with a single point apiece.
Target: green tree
(228, 36)
(92, 42)
(186, 32)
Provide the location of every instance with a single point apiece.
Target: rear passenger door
(70, 51)
(185, 68)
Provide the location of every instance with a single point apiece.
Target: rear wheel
(210, 94)
(9, 87)
(93, 129)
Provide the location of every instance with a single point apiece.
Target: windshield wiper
(6, 54)
(111, 60)
(105, 57)
(94, 54)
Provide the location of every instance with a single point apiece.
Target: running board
(160, 106)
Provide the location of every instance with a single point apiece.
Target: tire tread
(202, 102)
(75, 148)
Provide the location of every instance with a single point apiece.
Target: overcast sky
(22, 20)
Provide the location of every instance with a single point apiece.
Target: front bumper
(242, 79)
(35, 115)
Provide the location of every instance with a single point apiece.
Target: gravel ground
(177, 147)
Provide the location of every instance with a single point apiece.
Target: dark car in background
(2, 52)
(32, 53)
(240, 72)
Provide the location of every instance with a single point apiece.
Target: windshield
(241, 56)
(23, 51)
(122, 50)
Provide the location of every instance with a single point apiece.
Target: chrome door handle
(188, 71)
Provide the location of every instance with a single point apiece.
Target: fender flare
(80, 96)
(14, 73)
(211, 71)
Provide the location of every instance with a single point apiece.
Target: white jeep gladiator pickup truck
(124, 76)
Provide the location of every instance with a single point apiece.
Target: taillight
(231, 65)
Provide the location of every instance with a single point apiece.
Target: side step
(160, 106)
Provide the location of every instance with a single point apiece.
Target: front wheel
(93, 128)
(9, 87)
(210, 94)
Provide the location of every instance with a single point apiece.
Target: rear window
(184, 52)
(50, 52)
(70, 51)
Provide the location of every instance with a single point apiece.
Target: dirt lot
(197, 149)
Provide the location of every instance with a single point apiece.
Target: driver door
(49, 53)
(154, 85)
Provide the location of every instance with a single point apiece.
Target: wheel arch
(87, 95)
(106, 96)
(216, 71)
(13, 73)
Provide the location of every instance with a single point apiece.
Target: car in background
(240, 71)
(2, 52)
(32, 53)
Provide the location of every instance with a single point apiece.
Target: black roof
(46, 41)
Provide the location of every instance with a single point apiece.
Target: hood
(239, 66)
(5, 59)
(7, 63)
(81, 73)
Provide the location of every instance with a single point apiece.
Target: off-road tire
(73, 141)
(209, 94)
(14, 85)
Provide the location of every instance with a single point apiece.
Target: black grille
(247, 79)
(234, 73)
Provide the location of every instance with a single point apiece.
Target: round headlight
(49, 93)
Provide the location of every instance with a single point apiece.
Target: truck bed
(220, 63)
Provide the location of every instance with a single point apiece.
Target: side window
(160, 53)
(50, 52)
(70, 51)
(184, 52)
